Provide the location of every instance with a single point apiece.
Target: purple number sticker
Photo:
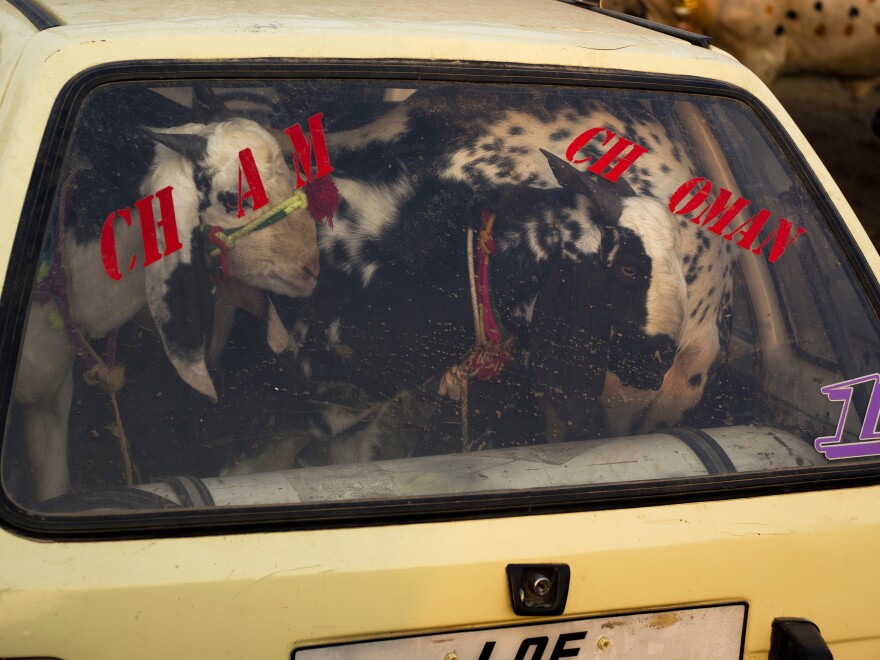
(869, 439)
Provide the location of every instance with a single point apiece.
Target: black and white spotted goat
(201, 163)
(608, 296)
(688, 302)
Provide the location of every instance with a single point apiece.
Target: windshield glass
(306, 291)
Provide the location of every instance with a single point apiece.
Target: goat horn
(606, 196)
(194, 147)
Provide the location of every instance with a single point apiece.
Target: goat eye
(229, 200)
(627, 273)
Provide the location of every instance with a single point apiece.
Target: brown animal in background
(778, 37)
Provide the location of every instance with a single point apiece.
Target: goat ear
(259, 303)
(568, 343)
(224, 316)
(194, 147)
(180, 296)
(608, 197)
(276, 334)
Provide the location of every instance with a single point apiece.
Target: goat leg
(46, 428)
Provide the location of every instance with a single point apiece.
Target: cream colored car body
(260, 595)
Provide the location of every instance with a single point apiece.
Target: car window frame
(141, 524)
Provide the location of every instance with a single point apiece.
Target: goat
(782, 36)
(687, 303)
(201, 163)
(552, 292)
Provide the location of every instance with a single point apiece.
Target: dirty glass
(280, 292)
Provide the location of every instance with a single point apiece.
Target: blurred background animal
(779, 37)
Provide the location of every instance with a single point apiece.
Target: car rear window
(299, 292)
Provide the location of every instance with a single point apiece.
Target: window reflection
(429, 289)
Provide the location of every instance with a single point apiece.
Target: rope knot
(491, 350)
(298, 201)
(110, 377)
(454, 383)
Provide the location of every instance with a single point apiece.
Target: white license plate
(704, 633)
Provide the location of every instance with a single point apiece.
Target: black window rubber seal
(163, 518)
(39, 17)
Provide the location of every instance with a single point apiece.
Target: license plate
(704, 633)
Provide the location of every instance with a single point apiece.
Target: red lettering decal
(148, 230)
(719, 205)
(168, 223)
(679, 195)
(108, 244)
(757, 223)
(581, 141)
(780, 240)
(256, 191)
(624, 161)
(302, 150)
(559, 650)
(322, 158)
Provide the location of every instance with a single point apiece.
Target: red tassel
(485, 362)
(323, 199)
